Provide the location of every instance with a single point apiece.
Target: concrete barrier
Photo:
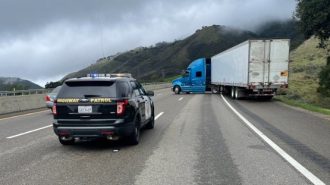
(157, 86)
(10, 104)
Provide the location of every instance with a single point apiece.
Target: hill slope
(10, 83)
(166, 60)
(305, 64)
(282, 29)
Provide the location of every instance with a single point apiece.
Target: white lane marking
(280, 151)
(159, 94)
(180, 98)
(159, 115)
(24, 115)
(17, 135)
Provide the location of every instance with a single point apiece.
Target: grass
(306, 62)
(307, 106)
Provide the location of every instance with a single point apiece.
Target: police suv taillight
(54, 108)
(47, 98)
(121, 106)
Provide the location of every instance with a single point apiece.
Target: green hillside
(166, 60)
(305, 64)
(11, 83)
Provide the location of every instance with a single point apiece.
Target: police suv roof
(88, 79)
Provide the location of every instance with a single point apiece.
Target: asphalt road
(198, 139)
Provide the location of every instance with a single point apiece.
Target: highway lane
(303, 135)
(197, 140)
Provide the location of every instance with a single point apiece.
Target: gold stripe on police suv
(67, 100)
(100, 100)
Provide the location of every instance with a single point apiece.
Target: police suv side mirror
(150, 93)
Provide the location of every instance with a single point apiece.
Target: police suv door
(139, 99)
(147, 103)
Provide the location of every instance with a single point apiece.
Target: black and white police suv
(110, 108)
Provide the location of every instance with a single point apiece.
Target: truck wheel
(221, 89)
(237, 93)
(66, 141)
(177, 90)
(232, 93)
(214, 90)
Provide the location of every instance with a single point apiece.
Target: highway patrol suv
(108, 107)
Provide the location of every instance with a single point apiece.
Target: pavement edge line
(309, 175)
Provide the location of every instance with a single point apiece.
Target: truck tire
(177, 90)
(238, 93)
(221, 89)
(214, 90)
(232, 92)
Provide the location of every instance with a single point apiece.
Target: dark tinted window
(199, 74)
(136, 90)
(143, 92)
(88, 89)
(57, 89)
(133, 84)
(123, 89)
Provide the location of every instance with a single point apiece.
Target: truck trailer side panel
(231, 67)
(279, 65)
(254, 62)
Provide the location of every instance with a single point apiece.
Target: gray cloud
(43, 40)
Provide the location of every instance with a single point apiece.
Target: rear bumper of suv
(90, 131)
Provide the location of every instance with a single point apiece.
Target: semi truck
(254, 68)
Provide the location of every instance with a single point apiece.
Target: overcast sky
(43, 40)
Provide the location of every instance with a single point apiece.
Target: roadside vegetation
(165, 60)
(309, 79)
(306, 63)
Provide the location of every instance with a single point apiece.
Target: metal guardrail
(24, 92)
(154, 85)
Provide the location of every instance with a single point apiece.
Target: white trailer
(252, 68)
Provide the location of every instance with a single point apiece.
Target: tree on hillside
(282, 29)
(314, 18)
(325, 80)
(51, 85)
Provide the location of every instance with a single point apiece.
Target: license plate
(85, 109)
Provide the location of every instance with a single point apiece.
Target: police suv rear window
(88, 89)
(56, 89)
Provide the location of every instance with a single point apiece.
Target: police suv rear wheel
(134, 138)
(151, 123)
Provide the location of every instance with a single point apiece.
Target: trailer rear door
(268, 62)
(258, 68)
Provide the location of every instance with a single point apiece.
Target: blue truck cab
(196, 79)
